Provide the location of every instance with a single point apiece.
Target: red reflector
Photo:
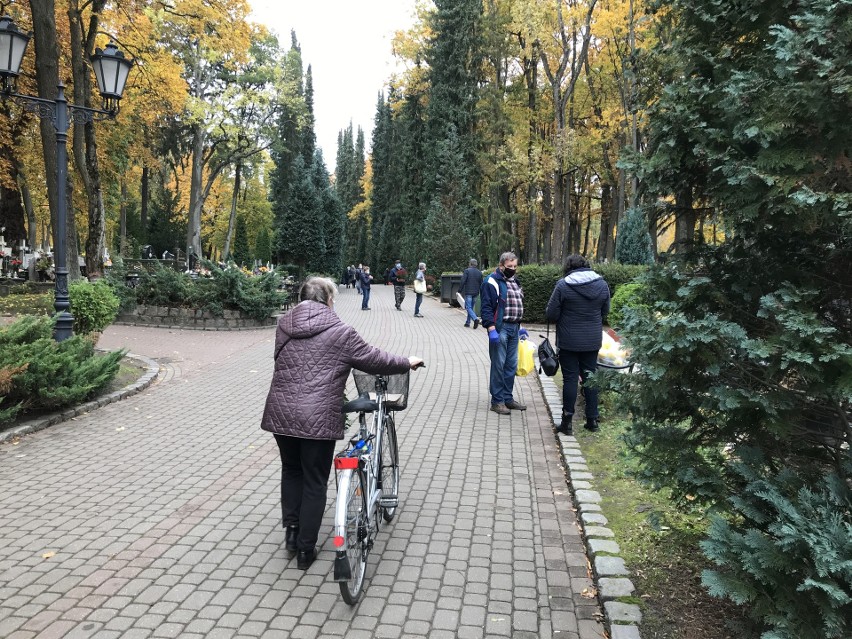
(343, 463)
(338, 541)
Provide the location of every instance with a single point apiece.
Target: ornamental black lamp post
(111, 70)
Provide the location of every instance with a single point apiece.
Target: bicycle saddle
(362, 404)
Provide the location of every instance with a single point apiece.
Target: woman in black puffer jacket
(578, 305)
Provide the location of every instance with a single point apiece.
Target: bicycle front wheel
(389, 470)
(356, 537)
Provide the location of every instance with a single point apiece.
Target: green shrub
(538, 281)
(56, 374)
(163, 287)
(626, 296)
(260, 296)
(616, 273)
(94, 306)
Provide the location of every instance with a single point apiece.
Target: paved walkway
(158, 516)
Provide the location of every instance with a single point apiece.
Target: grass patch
(658, 543)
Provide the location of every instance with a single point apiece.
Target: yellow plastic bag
(526, 358)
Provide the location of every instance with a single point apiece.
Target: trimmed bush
(42, 374)
(538, 281)
(617, 274)
(94, 306)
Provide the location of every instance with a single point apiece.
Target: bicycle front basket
(397, 393)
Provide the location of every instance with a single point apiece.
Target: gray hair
(318, 289)
(507, 257)
(473, 263)
(421, 266)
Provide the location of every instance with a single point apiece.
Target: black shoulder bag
(547, 358)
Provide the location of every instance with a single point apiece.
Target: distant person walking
(471, 282)
(502, 311)
(579, 303)
(358, 280)
(366, 280)
(419, 287)
(314, 353)
(397, 277)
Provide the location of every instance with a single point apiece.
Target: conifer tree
(741, 400)
(263, 245)
(299, 239)
(633, 243)
(454, 58)
(448, 240)
(242, 256)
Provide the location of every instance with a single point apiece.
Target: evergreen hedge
(38, 373)
(538, 281)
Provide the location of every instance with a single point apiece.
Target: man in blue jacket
(471, 282)
(502, 310)
(578, 305)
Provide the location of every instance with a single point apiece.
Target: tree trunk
(85, 145)
(684, 221)
(29, 209)
(605, 233)
(47, 78)
(122, 222)
(146, 198)
(232, 221)
(193, 227)
(531, 77)
(547, 225)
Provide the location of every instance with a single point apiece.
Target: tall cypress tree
(299, 237)
(242, 256)
(454, 56)
(263, 245)
(380, 251)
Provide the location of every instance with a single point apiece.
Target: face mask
(398, 265)
(509, 272)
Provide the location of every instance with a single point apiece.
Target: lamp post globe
(13, 44)
(111, 70)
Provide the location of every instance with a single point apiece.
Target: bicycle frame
(351, 468)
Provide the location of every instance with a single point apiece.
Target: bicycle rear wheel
(356, 538)
(389, 470)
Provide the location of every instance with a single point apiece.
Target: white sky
(348, 45)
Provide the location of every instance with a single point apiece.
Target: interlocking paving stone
(169, 522)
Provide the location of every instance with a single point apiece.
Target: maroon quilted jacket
(314, 353)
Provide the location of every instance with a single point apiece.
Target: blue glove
(493, 336)
(523, 334)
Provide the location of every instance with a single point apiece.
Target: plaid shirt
(514, 302)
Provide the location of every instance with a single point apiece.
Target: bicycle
(367, 477)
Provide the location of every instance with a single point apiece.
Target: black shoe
(565, 427)
(592, 425)
(290, 534)
(513, 405)
(467, 325)
(476, 323)
(305, 558)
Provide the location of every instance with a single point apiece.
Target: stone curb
(33, 425)
(197, 328)
(608, 570)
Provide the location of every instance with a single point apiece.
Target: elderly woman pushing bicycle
(314, 354)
